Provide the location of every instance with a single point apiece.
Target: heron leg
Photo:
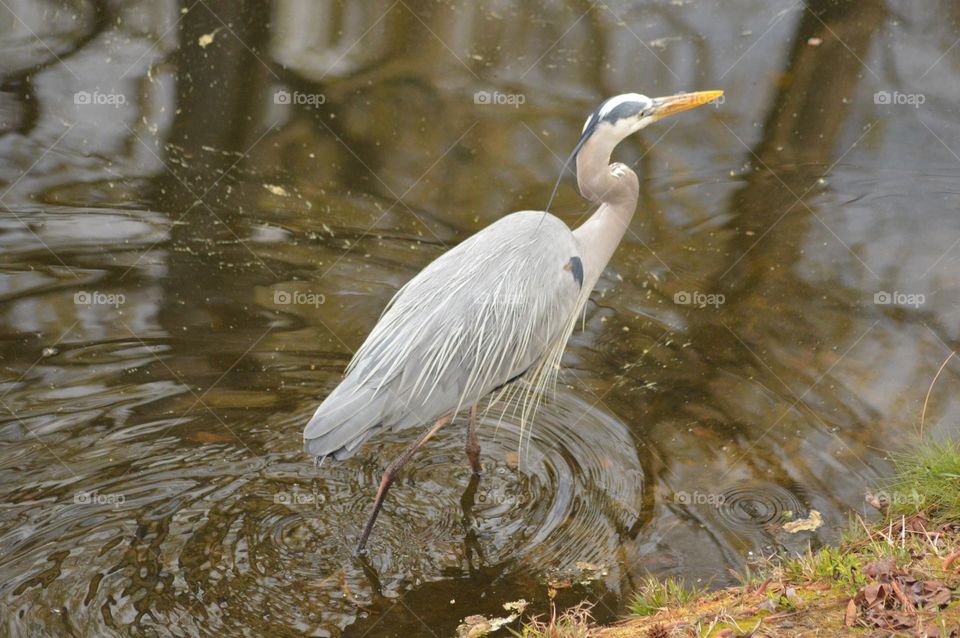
(471, 544)
(391, 473)
(472, 447)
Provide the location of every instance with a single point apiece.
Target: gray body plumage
(501, 304)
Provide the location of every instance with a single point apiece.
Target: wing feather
(484, 312)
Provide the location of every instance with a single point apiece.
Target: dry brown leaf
(874, 594)
(883, 570)
(851, 615)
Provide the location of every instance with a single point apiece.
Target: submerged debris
(582, 572)
(811, 523)
(206, 39)
(477, 625)
(277, 190)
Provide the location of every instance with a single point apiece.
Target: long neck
(616, 189)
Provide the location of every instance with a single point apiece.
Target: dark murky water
(206, 205)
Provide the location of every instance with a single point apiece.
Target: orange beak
(664, 106)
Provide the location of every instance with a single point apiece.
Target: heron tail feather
(343, 422)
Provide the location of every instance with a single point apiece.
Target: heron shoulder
(531, 235)
(527, 225)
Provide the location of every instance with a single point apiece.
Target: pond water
(205, 206)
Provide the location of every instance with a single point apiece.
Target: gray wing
(479, 315)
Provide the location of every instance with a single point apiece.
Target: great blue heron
(498, 306)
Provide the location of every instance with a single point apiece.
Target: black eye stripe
(627, 109)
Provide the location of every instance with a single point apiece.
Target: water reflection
(175, 174)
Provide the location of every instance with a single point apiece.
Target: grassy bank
(898, 577)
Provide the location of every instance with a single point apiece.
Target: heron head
(620, 116)
(623, 115)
